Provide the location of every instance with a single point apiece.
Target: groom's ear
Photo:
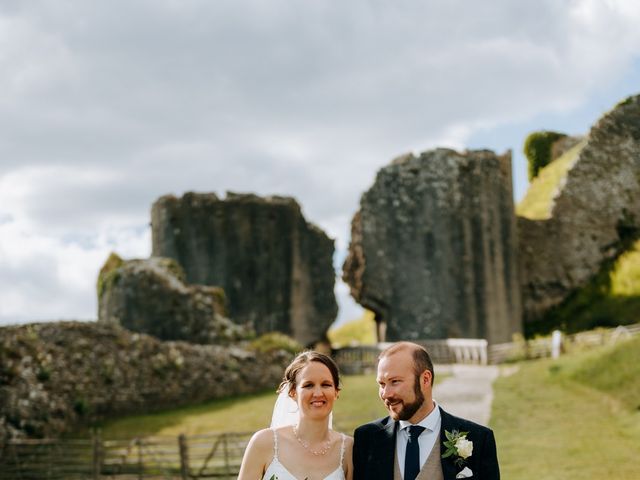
(426, 378)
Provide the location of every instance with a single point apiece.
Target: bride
(300, 445)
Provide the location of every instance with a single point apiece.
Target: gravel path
(468, 392)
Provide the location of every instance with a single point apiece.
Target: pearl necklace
(305, 445)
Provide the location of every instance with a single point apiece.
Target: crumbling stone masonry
(433, 248)
(274, 267)
(59, 375)
(596, 212)
(151, 296)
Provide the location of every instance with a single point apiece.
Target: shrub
(361, 332)
(537, 149)
(107, 273)
(81, 406)
(43, 374)
(273, 341)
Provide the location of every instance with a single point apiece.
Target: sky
(107, 105)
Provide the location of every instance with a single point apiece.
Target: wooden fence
(542, 347)
(363, 358)
(216, 456)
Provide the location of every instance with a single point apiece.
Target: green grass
(571, 418)
(538, 202)
(625, 276)
(361, 331)
(248, 413)
(358, 404)
(614, 371)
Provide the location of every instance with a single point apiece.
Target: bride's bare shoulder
(257, 455)
(262, 440)
(284, 432)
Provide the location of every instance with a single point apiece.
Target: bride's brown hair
(302, 360)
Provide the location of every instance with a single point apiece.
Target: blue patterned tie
(412, 457)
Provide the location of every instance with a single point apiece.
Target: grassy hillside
(361, 331)
(614, 371)
(612, 297)
(538, 202)
(358, 404)
(576, 417)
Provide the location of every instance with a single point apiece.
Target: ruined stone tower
(275, 267)
(433, 248)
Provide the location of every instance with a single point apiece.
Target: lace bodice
(280, 471)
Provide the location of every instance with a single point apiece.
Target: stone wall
(595, 214)
(275, 268)
(150, 296)
(56, 376)
(433, 248)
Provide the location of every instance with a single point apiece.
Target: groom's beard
(409, 409)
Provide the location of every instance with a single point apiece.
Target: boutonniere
(457, 446)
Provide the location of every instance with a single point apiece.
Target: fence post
(184, 457)
(97, 443)
(226, 454)
(556, 343)
(140, 463)
(49, 450)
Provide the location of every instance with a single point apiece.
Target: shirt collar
(430, 422)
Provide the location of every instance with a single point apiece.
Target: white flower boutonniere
(457, 446)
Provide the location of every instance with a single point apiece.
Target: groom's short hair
(421, 359)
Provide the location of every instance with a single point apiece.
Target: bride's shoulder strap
(275, 444)
(344, 437)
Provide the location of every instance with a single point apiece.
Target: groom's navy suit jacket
(374, 450)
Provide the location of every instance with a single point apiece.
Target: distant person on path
(300, 443)
(419, 440)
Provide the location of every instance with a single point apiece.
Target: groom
(419, 440)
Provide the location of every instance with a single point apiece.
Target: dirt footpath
(468, 392)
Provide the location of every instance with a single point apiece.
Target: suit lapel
(386, 448)
(449, 469)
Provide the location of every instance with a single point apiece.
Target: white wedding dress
(281, 472)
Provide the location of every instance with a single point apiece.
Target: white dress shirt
(426, 440)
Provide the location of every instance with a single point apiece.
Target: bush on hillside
(273, 341)
(361, 331)
(107, 272)
(537, 149)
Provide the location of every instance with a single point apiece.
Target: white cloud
(52, 277)
(107, 106)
